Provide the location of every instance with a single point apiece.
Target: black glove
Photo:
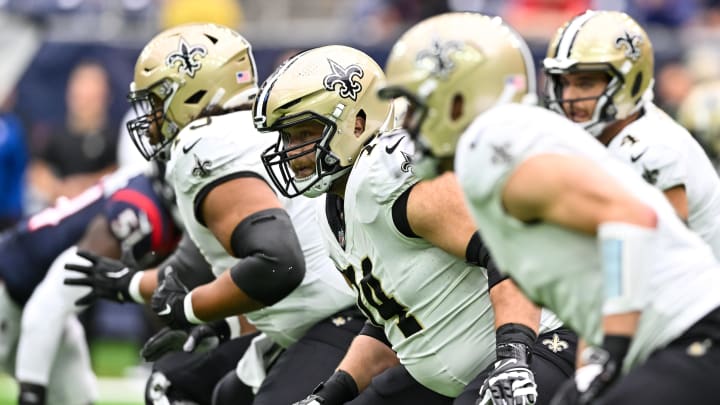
(168, 301)
(600, 370)
(511, 382)
(165, 341)
(207, 336)
(108, 278)
(337, 390)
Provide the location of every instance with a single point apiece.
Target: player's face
(580, 91)
(300, 141)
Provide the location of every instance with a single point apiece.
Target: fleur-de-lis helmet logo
(345, 79)
(436, 59)
(186, 57)
(631, 43)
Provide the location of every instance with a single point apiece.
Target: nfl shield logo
(242, 77)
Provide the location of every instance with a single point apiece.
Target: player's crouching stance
(193, 87)
(599, 247)
(403, 244)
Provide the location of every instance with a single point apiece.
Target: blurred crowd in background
(67, 65)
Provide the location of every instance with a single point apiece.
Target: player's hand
(108, 278)
(510, 383)
(168, 301)
(165, 341)
(590, 380)
(207, 336)
(337, 390)
(312, 400)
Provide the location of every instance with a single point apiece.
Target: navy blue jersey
(136, 215)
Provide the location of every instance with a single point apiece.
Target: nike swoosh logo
(391, 149)
(119, 273)
(638, 156)
(186, 149)
(165, 311)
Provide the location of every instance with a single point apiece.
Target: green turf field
(120, 381)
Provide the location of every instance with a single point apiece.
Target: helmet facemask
(152, 131)
(604, 112)
(278, 159)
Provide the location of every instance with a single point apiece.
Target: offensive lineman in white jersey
(288, 290)
(599, 71)
(598, 246)
(402, 244)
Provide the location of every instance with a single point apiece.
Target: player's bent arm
(436, 212)
(571, 192)
(271, 266)
(677, 196)
(369, 354)
(225, 205)
(574, 193)
(220, 299)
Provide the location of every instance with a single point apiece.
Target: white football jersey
(211, 149)
(666, 155)
(559, 268)
(434, 307)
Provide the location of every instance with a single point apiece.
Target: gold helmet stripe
(571, 32)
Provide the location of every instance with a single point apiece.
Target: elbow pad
(271, 262)
(478, 254)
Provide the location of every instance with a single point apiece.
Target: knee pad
(231, 391)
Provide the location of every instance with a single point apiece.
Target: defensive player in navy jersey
(126, 214)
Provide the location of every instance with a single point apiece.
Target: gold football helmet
(450, 68)
(606, 41)
(185, 72)
(700, 114)
(331, 86)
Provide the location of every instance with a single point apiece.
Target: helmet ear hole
(456, 107)
(636, 85)
(196, 97)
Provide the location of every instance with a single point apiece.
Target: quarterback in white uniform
(406, 263)
(599, 71)
(266, 252)
(600, 247)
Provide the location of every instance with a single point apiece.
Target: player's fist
(510, 383)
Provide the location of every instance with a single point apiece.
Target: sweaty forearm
(366, 358)
(511, 306)
(220, 299)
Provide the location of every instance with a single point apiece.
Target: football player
(578, 230)
(43, 344)
(599, 74)
(403, 244)
(700, 114)
(193, 88)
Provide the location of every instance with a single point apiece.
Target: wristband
(134, 288)
(617, 347)
(338, 389)
(234, 325)
(188, 310)
(514, 340)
